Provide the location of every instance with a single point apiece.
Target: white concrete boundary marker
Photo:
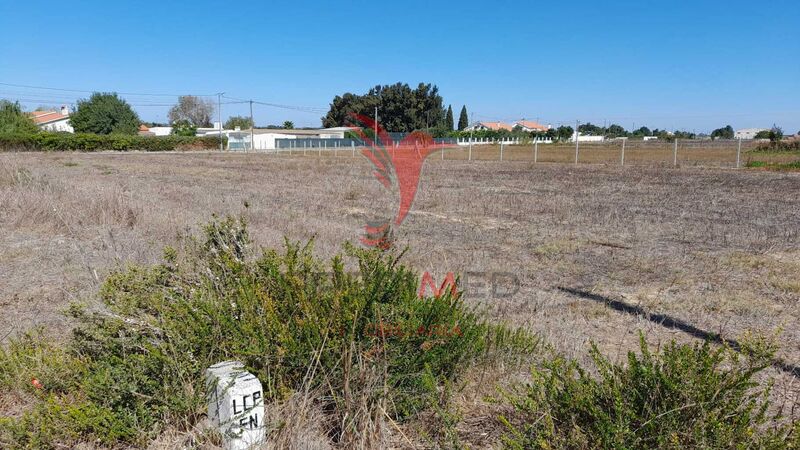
(236, 405)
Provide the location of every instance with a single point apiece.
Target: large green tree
(615, 130)
(14, 120)
(463, 119)
(725, 132)
(238, 121)
(448, 119)
(564, 133)
(104, 113)
(400, 108)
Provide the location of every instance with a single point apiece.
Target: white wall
(266, 141)
(59, 125)
(582, 138)
(161, 131)
(748, 133)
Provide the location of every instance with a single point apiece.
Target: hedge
(96, 142)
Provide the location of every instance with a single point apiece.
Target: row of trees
(107, 113)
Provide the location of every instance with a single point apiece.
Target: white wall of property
(58, 125)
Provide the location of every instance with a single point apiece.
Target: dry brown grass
(717, 248)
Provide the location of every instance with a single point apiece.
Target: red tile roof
(42, 117)
(531, 125)
(496, 125)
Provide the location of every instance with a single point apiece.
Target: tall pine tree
(463, 119)
(448, 118)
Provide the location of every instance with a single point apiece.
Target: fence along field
(703, 153)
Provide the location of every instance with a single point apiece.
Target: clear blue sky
(667, 64)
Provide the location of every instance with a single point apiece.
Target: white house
(53, 120)
(264, 138)
(495, 126)
(748, 133)
(528, 126)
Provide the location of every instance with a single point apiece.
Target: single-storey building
(264, 138)
(748, 133)
(53, 120)
(495, 126)
(529, 125)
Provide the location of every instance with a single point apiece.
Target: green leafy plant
(95, 142)
(14, 120)
(362, 340)
(183, 127)
(684, 396)
(104, 113)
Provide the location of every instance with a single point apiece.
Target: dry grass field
(715, 251)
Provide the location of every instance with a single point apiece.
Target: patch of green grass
(790, 166)
(362, 339)
(684, 396)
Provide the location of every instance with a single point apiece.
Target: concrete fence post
(353, 146)
(469, 157)
(501, 150)
(622, 155)
(675, 154)
(738, 153)
(535, 152)
(236, 405)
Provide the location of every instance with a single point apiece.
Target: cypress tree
(448, 119)
(463, 119)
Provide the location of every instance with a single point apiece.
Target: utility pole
(252, 125)
(577, 125)
(219, 117)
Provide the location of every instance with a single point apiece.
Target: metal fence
(332, 143)
(728, 153)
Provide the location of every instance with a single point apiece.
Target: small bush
(685, 396)
(363, 340)
(94, 142)
(785, 145)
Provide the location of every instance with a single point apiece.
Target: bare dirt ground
(715, 249)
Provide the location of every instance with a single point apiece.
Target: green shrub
(94, 142)
(794, 165)
(363, 340)
(685, 396)
(14, 120)
(786, 145)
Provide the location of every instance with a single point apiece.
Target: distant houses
(524, 125)
(53, 120)
(748, 133)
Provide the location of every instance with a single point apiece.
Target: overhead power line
(307, 109)
(90, 92)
